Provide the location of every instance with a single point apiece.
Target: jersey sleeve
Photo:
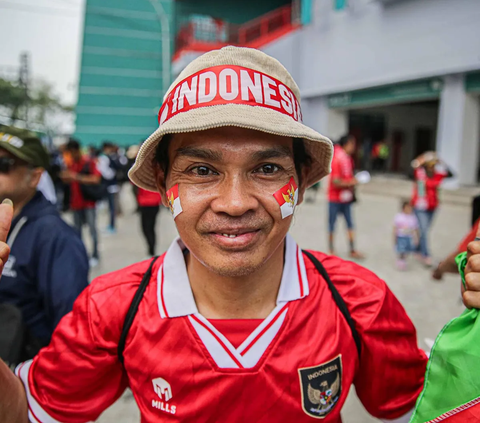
(336, 172)
(78, 375)
(391, 370)
(469, 238)
(392, 367)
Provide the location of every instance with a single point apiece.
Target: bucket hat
(233, 86)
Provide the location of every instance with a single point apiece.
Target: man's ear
(161, 183)
(35, 176)
(302, 187)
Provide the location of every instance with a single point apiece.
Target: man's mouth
(235, 237)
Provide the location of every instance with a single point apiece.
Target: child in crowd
(406, 233)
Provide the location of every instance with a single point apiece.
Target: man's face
(76, 154)
(19, 182)
(231, 222)
(350, 146)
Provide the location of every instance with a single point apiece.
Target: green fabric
(453, 372)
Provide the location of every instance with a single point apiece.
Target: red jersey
(77, 202)
(469, 238)
(425, 189)
(147, 198)
(298, 363)
(342, 169)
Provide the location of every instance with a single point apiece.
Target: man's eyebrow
(199, 153)
(276, 152)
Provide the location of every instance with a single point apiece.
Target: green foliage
(36, 106)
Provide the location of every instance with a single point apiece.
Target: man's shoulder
(126, 279)
(52, 226)
(338, 268)
(361, 289)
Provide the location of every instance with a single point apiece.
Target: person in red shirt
(234, 322)
(149, 206)
(448, 264)
(428, 174)
(340, 192)
(82, 170)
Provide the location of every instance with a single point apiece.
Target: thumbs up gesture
(6, 216)
(471, 296)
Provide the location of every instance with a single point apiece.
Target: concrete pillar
(329, 122)
(458, 131)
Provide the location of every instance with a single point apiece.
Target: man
(48, 266)
(82, 173)
(108, 166)
(340, 192)
(234, 323)
(448, 264)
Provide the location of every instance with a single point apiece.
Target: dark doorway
(368, 129)
(423, 141)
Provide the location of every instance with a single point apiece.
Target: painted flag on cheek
(174, 201)
(287, 198)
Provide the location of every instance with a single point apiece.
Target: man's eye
(203, 171)
(268, 169)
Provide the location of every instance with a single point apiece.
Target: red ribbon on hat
(228, 84)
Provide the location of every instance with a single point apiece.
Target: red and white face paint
(229, 84)
(174, 201)
(287, 198)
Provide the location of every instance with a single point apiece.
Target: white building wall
(458, 129)
(371, 43)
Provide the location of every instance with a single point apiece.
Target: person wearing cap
(234, 322)
(48, 266)
(428, 173)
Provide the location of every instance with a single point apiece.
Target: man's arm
(13, 401)
(447, 265)
(62, 272)
(88, 179)
(343, 183)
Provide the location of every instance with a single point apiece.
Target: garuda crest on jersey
(321, 387)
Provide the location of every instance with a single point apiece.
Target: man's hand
(471, 296)
(437, 273)
(67, 176)
(6, 216)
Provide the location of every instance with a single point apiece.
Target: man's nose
(236, 196)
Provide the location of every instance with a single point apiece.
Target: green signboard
(472, 82)
(121, 76)
(419, 90)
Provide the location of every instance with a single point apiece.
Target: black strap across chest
(338, 300)
(132, 311)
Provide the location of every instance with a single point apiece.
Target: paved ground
(429, 304)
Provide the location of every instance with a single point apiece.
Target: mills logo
(164, 391)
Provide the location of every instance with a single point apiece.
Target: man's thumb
(6, 216)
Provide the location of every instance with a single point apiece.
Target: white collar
(175, 296)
